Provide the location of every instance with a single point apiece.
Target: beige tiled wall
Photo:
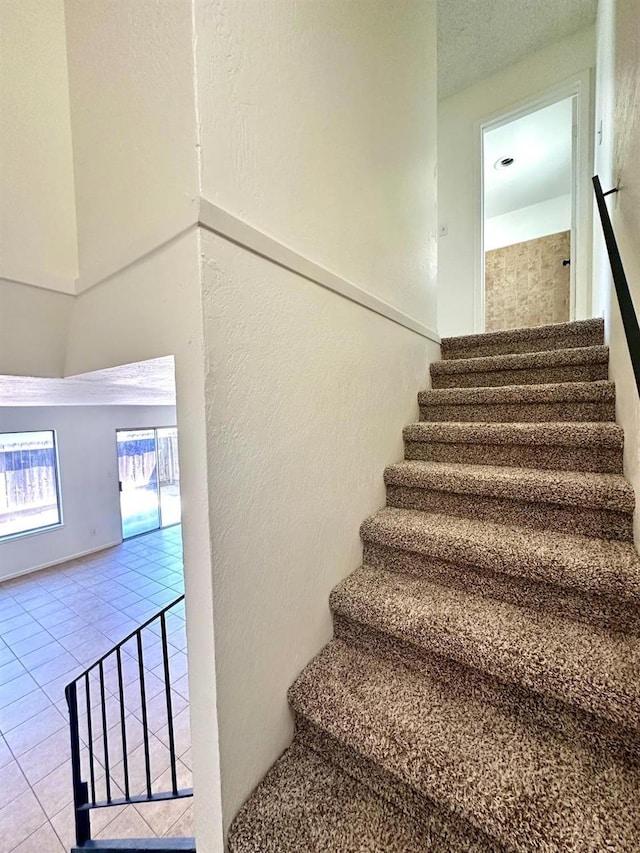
(526, 284)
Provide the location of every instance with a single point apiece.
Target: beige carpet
(482, 691)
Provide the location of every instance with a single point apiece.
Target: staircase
(482, 690)
(116, 762)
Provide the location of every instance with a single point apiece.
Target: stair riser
(308, 804)
(549, 457)
(497, 660)
(420, 781)
(527, 413)
(598, 523)
(533, 590)
(448, 832)
(593, 338)
(575, 724)
(616, 707)
(535, 376)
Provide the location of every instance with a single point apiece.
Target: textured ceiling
(540, 144)
(146, 383)
(477, 38)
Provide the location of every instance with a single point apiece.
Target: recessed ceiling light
(503, 162)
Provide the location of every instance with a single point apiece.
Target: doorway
(149, 479)
(529, 217)
(543, 189)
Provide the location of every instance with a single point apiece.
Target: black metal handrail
(627, 311)
(86, 699)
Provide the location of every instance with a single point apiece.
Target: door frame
(581, 88)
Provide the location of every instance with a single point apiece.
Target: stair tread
(589, 666)
(305, 803)
(520, 783)
(576, 329)
(599, 391)
(563, 488)
(566, 434)
(598, 566)
(522, 361)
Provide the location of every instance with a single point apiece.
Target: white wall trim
(57, 562)
(229, 227)
(136, 251)
(18, 274)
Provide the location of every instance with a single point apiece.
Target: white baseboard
(59, 562)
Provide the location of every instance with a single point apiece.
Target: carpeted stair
(482, 690)
(563, 401)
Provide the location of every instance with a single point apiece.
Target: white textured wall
(459, 118)
(316, 120)
(528, 223)
(88, 468)
(34, 324)
(307, 394)
(318, 127)
(37, 213)
(134, 128)
(618, 106)
(603, 149)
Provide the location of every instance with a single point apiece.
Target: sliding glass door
(149, 477)
(168, 475)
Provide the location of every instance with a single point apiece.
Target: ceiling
(477, 38)
(145, 383)
(540, 144)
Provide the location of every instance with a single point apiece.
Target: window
(29, 489)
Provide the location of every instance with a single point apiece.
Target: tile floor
(55, 623)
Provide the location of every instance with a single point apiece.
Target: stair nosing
(448, 625)
(544, 433)
(600, 567)
(598, 391)
(539, 360)
(319, 780)
(549, 330)
(601, 491)
(434, 772)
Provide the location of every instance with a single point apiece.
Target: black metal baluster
(105, 738)
(83, 803)
(145, 728)
(92, 774)
(80, 792)
(125, 757)
(167, 688)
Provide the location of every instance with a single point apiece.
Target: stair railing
(91, 713)
(627, 311)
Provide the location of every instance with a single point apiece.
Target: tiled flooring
(55, 623)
